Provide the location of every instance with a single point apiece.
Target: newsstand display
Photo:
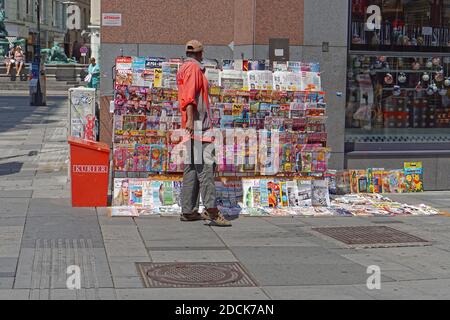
(270, 141)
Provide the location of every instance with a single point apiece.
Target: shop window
(398, 99)
(400, 25)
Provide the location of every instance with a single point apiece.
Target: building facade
(398, 98)
(21, 23)
(362, 125)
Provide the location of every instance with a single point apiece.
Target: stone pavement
(41, 235)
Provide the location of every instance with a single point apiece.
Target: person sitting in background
(9, 60)
(93, 78)
(19, 59)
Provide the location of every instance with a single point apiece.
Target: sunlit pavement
(41, 235)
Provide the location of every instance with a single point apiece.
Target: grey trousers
(198, 177)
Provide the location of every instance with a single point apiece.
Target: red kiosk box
(89, 168)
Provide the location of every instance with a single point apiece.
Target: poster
(414, 176)
(82, 113)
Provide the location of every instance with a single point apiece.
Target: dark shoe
(218, 220)
(193, 217)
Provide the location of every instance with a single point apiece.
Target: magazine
(260, 80)
(124, 71)
(414, 176)
(311, 81)
(139, 76)
(233, 80)
(287, 81)
(213, 76)
(394, 181)
(135, 190)
(169, 74)
(304, 191)
(121, 193)
(320, 194)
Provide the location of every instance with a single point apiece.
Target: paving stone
(6, 283)
(397, 291)
(193, 256)
(192, 294)
(261, 238)
(50, 194)
(8, 265)
(44, 182)
(307, 274)
(288, 256)
(85, 294)
(15, 194)
(61, 227)
(14, 294)
(127, 283)
(427, 260)
(343, 292)
(13, 207)
(119, 248)
(12, 221)
(123, 269)
(15, 183)
(384, 263)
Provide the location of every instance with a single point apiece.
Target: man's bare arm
(190, 119)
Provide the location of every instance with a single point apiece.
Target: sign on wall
(111, 19)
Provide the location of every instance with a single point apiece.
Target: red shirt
(193, 89)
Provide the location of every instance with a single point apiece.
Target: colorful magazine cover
(135, 187)
(157, 198)
(156, 158)
(394, 181)
(320, 194)
(248, 190)
(377, 180)
(358, 181)
(414, 177)
(120, 158)
(343, 182)
(259, 65)
(139, 76)
(142, 158)
(311, 81)
(169, 75)
(274, 194)
(124, 71)
(264, 193)
(167, 194)
(284, 194)
(121, 194)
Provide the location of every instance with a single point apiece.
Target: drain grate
(370, 235)
(194, 275)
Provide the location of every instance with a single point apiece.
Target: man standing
(199, 165)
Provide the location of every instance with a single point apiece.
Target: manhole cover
(194, 275)
(370, 235)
